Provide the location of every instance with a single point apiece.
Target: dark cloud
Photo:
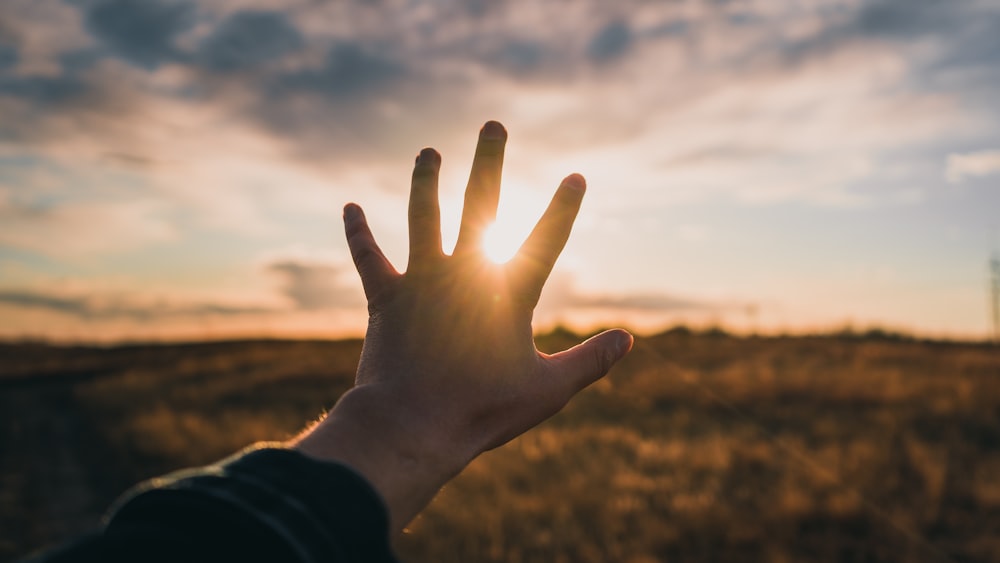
(904, 18)
(142, 32)
(721, 154)
(970, 60)
(338, 107)
(949, 47)
(965, 31)
(76, 62)
(671, 28)
(72, 306)
(561, 293)
(313, 286)
(42, 90)
(351, 69)
(610, 42)
(41, 109)
(516, 56)
(348, 98)
(8, 56)
(247, 39)
(110, 307)
(129, 160)
(37, 91)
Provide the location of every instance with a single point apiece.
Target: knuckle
(601, 359)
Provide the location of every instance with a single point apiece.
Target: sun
(500, 242)
(518, 210)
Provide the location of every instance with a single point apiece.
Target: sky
(172, 169)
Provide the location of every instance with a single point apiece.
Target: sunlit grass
(697, 447)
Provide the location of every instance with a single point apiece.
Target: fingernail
(428, 156)
(351, 212)
(575, 181)
(625, 341)
(493, 131)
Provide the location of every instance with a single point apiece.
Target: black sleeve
(265, 504)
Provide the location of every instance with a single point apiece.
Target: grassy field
(698, 447)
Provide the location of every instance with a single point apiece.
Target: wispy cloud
(562, 294)
(313, 285)
(81, 229)
(118, 306)
(973, 164)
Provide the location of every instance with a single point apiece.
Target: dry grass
(699, 447)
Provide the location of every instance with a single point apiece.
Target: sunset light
(521, 204)
(500, 243)
(827, 165)
(702, 280)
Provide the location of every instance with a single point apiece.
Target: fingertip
(574, 186)
(572, 189)
(575, 181)
(623, 342)
(428, 155)
(352, 211)
(494, 131)
(615, 344)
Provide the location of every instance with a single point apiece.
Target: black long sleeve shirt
(264, 504)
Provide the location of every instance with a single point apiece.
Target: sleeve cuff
(316, 510)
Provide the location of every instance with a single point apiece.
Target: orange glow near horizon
(791, 177)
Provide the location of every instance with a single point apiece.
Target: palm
(454, 332)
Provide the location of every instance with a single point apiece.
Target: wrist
(406, 459)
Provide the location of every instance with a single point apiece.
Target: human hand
(449, 368)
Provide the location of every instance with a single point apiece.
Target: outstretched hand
(449, 368)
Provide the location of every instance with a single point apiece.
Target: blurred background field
(700, 446)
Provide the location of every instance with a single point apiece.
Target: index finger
(483, 192)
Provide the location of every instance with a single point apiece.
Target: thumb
(590, 360)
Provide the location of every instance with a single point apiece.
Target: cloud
(519, 57)
(611, 42)
(973, 164)
(329, 89)
(764, 103)
(82, 229)
(248, 39)
(350, 69)
(902, 18)
(563, 302)
(43, 90)
(313, 285)
(143, 32)
(8, 56)
(561, 293)
(369, 77)
(119, 306)
(644, 302)
(948, 45)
